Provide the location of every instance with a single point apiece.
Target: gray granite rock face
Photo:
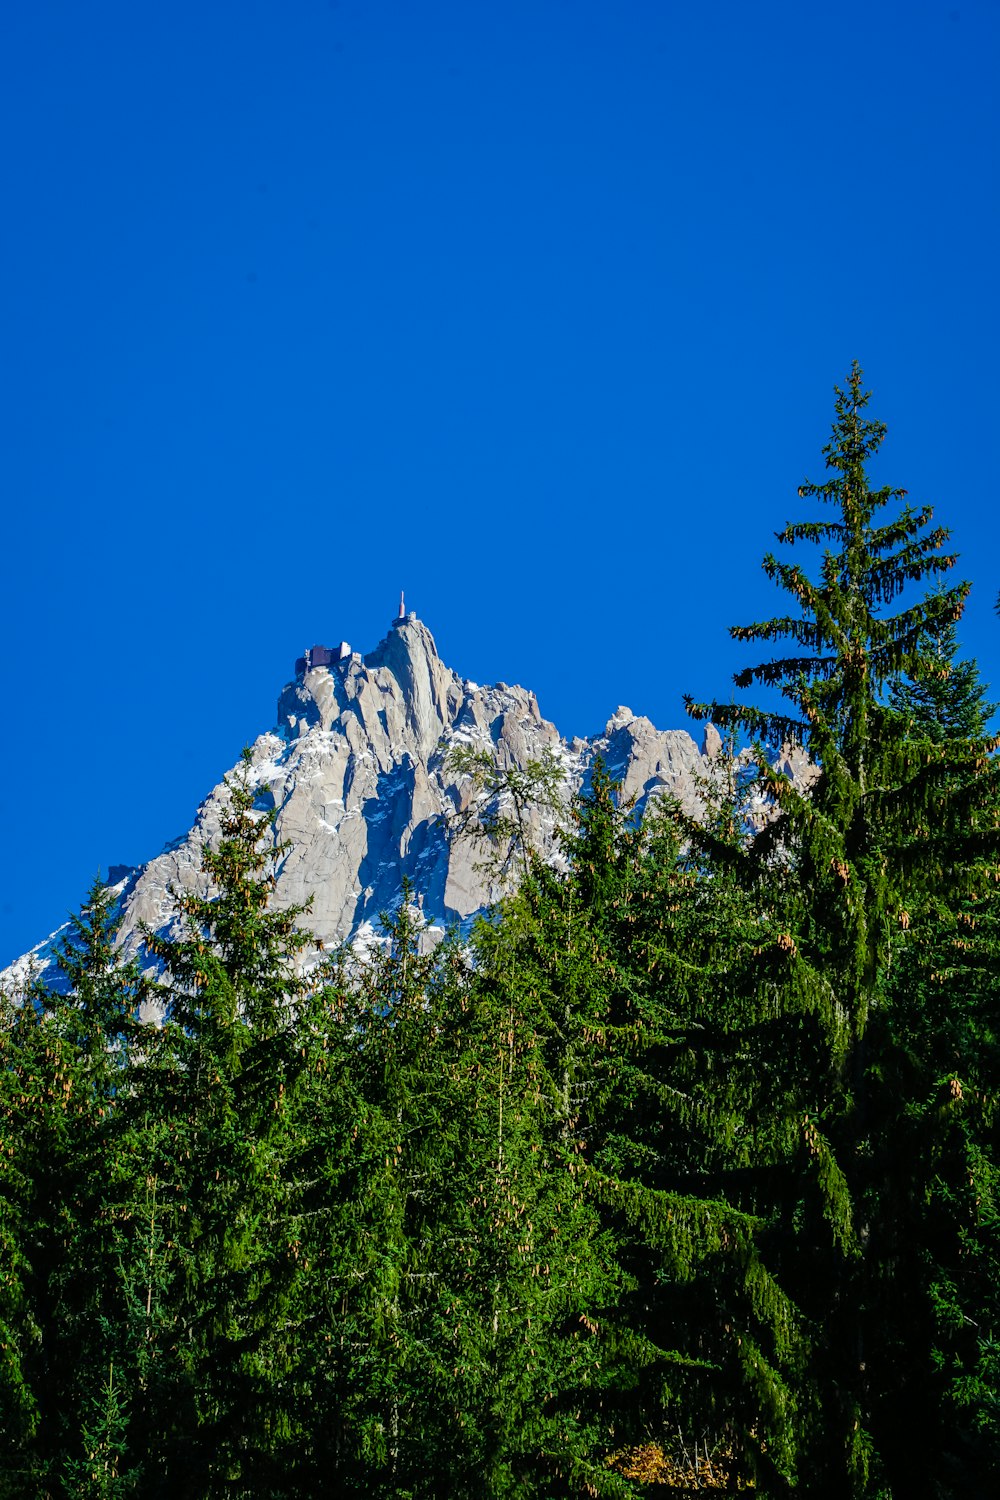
(357, 769)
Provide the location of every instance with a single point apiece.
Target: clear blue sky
(534, 309)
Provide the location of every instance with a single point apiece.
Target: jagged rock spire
(358, 770)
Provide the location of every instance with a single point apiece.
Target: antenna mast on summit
(402, 605)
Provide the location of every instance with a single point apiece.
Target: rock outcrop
(358, 772)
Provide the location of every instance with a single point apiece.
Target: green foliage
(894, 812)
(457, 1257)
(691, 1149)
(217, 1088)
(20, 1064)
(946, 700)
(99, 1471)
(504, 802)
(65, 1194)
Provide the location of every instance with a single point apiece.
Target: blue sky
(534, 310)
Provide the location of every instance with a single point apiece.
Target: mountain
(357, 769)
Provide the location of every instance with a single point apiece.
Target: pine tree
(450, 1251)
(378, 1276)
(710, 1338)
(20, 1049)
(101, 1471)
(945, 1006)
(675, 1308)
(888, 818)
(216, 1085)
(69, 1141)
(947, 699)
(96, 1019)
(504, 803)
(544, 1266)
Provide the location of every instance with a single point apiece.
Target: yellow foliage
(649, 1464)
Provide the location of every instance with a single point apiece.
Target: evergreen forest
(681, 1173)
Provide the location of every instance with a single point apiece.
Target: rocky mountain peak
(357, 768)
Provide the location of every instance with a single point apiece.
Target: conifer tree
(586, 974)
(947, 699)
(378, 1276)
(453, 1254)
(72, 1151)
(21, 1049)
(546, 1268)
(217, 1086)
(945, 1007)
(503, 801)
(887, 818)
(96, 1019)
(100, 1471)
(701, 1320)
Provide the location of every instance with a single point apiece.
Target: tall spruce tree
(721, 1338)
(945, 1007)
(947, 698)
(220, 1399)
(385, 1140)
(24, 1107)
(96, 1018)
(888, 818)
(710, 942)
(456, 1259)
(68, 1142)
(597, 962)
(547, 1261)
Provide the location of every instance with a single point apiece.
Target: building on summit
(322, 656)
(332, 656)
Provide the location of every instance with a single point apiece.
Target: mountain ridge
(357, 771)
